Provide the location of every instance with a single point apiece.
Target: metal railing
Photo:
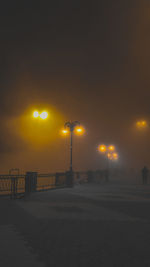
(12, 184)
(20, 185)
(17, 185)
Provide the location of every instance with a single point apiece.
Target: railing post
(14, 187)
(69, 179)
(56, 179)
(34, 181)
(27, 183)
(30, 182)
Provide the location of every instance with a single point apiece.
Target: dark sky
(87, 60)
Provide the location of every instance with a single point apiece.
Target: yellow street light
(109, 155)
(79, 130)
(111, 148)
(115, 156)
(142, 124)
(64, 131)
(35, 114)
(102, 148)
(44, 115)
(72, 127)
(109, 151)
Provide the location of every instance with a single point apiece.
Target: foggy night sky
(90, 60)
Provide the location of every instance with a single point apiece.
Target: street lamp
(35, 114)
(44, 115)
(110, 154)
(40, 115)
(115, 156)
(71, 127)
(142, 124)
(104, 149)
(111, 148)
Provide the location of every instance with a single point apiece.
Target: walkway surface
(88, 225)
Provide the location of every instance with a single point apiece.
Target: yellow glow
(36, 132)
(109, 155)
(35, 114)
(44, 115)
(79, 130)
(115, 156)
(102, 148)
(142, 124)
(64, 131)
(111, 148)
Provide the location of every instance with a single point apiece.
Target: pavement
(88, 225)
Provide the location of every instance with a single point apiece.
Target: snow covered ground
(90, 224)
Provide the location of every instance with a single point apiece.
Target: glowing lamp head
(109, 155)
(142, 124)
(65, 131)
(111, 148)
(102, 148)
(115, 156)
(79, 130)
(44, 115)
(35, 114)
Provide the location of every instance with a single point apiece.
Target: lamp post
(142, 127)
(109, 151)
(71, 126)
(111, 155)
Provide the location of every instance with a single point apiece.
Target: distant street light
(114, 156)
(71, 127)
(35, 114)
(111, 148)
(109, 152)
(65, 131)
(142, 124)
(43, 115)
(102, 148)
